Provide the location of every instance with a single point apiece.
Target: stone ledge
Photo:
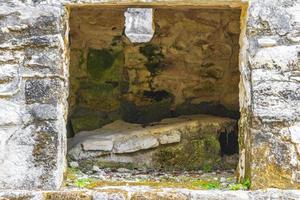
(162, 144)
(147, 193)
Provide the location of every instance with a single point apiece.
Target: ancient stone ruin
(132, 98)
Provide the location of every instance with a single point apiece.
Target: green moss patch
(182, 182)
(101, 97)
(98, 61)
(104, 63)
(67, 196)
(154, 56)
(88, 122)
(197, 154)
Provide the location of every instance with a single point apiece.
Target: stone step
(147, 193)
(170, 142)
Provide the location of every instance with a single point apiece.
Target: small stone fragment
(139, 24)
(267, 42)
(97, 145)
(172, 137)
(44, 112)
(136, 143)
(96, 168)
(123, 170)
(74, 164)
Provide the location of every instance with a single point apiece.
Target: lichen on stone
(67, 196)
(198, 154)
(100, 62)
(154, 55)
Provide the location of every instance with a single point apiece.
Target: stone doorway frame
(243, 168)
(34, 87)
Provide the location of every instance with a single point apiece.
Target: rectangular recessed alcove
(169, 105)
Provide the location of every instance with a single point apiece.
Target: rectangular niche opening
(170, 105)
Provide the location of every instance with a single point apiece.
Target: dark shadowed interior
(189, 68)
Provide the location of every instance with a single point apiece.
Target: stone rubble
(117, 141)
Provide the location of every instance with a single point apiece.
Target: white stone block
(267, 42)
(136, 143)
(295, 133)
(10, 79)
(139, 24)
(97, 145)
(284, 58)
(9, 113)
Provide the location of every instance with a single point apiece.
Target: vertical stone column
(33, 95)
(271, 137)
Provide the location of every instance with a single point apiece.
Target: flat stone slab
(127, 142)
(148, 193)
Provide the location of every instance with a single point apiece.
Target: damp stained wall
(190, 66)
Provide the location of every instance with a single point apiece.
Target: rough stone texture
(176, 73)
(33, 95)
(32, 56)
(269, 148)
(147, 193)
(186, 142)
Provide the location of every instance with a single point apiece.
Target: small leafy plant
(82, 183)
(245, 185)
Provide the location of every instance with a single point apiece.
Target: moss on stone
(101, 90)
(105, 64)
(197, 154)
(167, 182)
(70, 174)
(117, 40)
(189, 184)
(87, 165)
(99, 96)
(98, 61)
(88, 122)
(81, 57)
(154, 56)
(44, 151)
(67, 196)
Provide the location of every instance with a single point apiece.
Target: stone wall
(272, 64)
(34, 90)
(189, 67)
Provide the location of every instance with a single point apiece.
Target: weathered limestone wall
(33, 92)
(33, 80)
(189, 67)
(96, 66)
(272, 139)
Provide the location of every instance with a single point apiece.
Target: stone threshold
(148, 193)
